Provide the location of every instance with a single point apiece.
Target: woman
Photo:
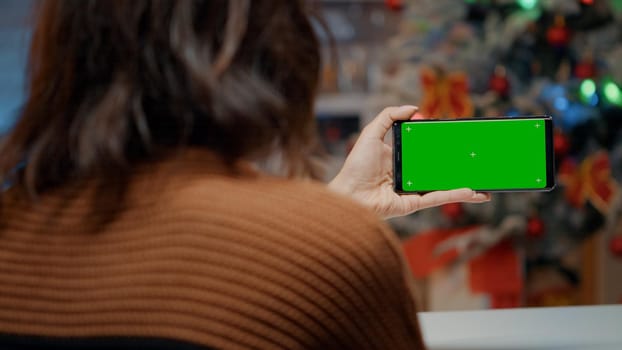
(139, 218)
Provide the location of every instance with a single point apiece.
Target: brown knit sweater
(208, 256)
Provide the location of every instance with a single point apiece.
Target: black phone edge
(397, 157)
(550, 154)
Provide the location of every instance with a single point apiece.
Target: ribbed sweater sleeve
(209, 259)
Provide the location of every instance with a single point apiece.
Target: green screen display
(484, 154)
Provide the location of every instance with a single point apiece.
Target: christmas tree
(513, 58)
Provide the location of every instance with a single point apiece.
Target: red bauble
(615, 246)
(561, 145)
(499, 82)
(394, 5)
(452, 210)
(500, 85)
(535, 227)
(585, 70)
(558, 35)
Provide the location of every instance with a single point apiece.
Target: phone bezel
(550, 154)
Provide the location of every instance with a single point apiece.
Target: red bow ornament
(446, 95)
(591, 181)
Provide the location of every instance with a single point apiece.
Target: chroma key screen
(482, 154)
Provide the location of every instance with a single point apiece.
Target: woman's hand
(367, 174)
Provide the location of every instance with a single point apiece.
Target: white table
(584, 327)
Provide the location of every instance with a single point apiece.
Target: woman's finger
(383, 122)
(437, 198)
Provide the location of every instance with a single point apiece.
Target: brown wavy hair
(112, 83)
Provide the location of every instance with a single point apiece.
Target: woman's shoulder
(274, 196)
(285, 206)
(300, 249)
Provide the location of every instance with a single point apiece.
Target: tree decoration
(561, 144)
(527, 4)
(453, 211)
(445, 94)
(611, 92)
(590, 182)
(587, 92)
(499, 82)
(394, 5)
(558, 35)
(523, 57)
(535, 227)
(586, 68)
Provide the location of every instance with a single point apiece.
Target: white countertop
(583, 327)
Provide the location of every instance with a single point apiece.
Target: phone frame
(550, 154)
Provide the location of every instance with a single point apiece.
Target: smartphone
(485, 154)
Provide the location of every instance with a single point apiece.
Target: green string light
(612, 93)
(527, 4)
(588, 88)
